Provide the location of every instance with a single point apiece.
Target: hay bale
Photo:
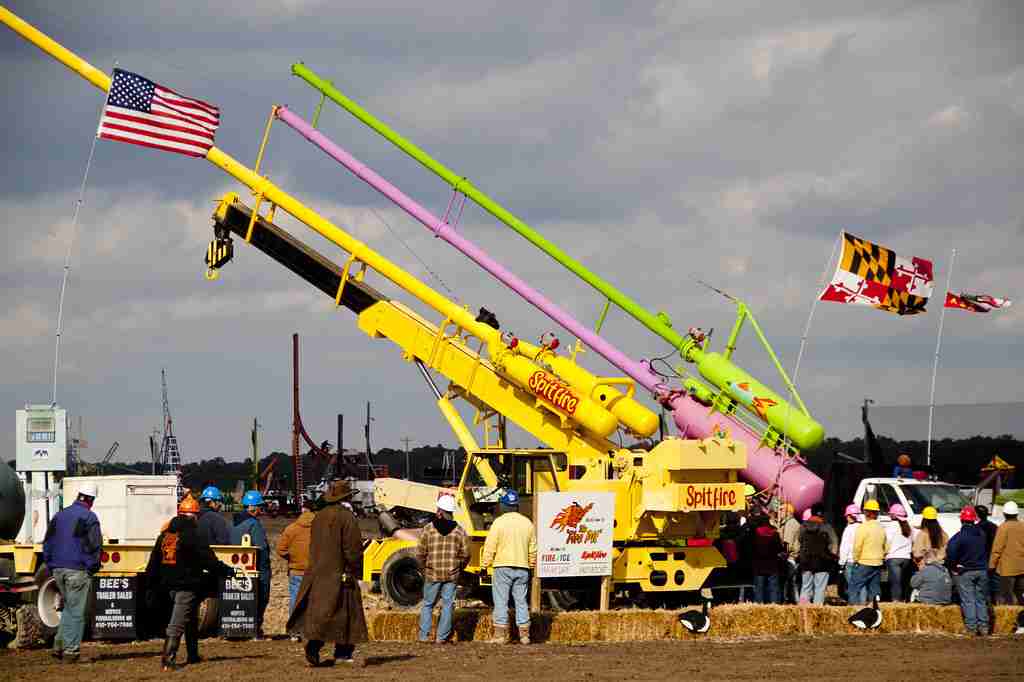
(1006, 619)
(744, 620)
(631, 626)
(574, 626)
(939, 619)
(729, 621)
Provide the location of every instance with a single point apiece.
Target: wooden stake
(606, 589)
(535, 579)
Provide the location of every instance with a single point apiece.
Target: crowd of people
(791, 561)
(324, 551)
(982, 564)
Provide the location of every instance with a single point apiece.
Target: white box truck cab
(914, 495)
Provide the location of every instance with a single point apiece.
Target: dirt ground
(840, 658)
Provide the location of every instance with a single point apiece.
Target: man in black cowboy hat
(328, 609)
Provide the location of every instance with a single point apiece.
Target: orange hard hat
(903, 460)
(188, 505)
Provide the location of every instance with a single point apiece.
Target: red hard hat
(968, 515)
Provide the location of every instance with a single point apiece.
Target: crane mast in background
(170, 456)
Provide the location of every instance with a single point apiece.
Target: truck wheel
(48, 604)
(32, 633)
(401, 580)
(209, 616)
(8, 623)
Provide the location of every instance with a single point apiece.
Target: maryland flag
(870, 274)
(976, 303)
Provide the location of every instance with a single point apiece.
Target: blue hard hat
(252, 498)
(510, 498)
(211, 492)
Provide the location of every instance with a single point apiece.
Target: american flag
(139, 111)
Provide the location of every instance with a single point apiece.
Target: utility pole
(339, 460)
(407, 440)
(298, 482)
(154, 449)
(255, 438)
(366, 430)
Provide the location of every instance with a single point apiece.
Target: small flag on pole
(139, 111)
(976, 303)
(870, 274)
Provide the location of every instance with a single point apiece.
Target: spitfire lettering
(550, 388)
(710, 497)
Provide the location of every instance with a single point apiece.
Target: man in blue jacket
(213, 527)
(248, 523)
(967, 558)
(71, 551)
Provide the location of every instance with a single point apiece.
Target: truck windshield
(945, 498)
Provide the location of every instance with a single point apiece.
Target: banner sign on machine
(574, 534)
(115, 608)
(238, 607)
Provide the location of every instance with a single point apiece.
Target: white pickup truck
(915, 495)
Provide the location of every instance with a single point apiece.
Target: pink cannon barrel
(797, 484)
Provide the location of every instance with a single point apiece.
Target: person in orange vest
(176, 565)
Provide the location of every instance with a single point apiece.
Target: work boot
(192, 643)
(500, 635)
(524, 633)
(312, 652)
(170, 651)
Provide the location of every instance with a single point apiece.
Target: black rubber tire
(400, 579)
(209, 616)
(32, 633)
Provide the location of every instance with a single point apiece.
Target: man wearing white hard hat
(443, 553)
(71, 551)
(1008, 556)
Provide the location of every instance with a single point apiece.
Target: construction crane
(170, 455)
(110, 453)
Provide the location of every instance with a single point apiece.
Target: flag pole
(935, 365)
(803, 345)
(67, 256)
(810, 316)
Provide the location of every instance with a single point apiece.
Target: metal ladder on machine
(171, 460)
(170, 456)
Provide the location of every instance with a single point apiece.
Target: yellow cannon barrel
(557, 395)
(633, 415)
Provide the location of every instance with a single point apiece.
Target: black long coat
(329, 607)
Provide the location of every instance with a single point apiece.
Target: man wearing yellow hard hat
(870, 545)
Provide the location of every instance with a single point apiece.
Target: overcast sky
(657, 143)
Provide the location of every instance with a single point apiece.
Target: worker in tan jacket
(1008, 556)
(511, 548)
(293, 546)
(870, 545)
